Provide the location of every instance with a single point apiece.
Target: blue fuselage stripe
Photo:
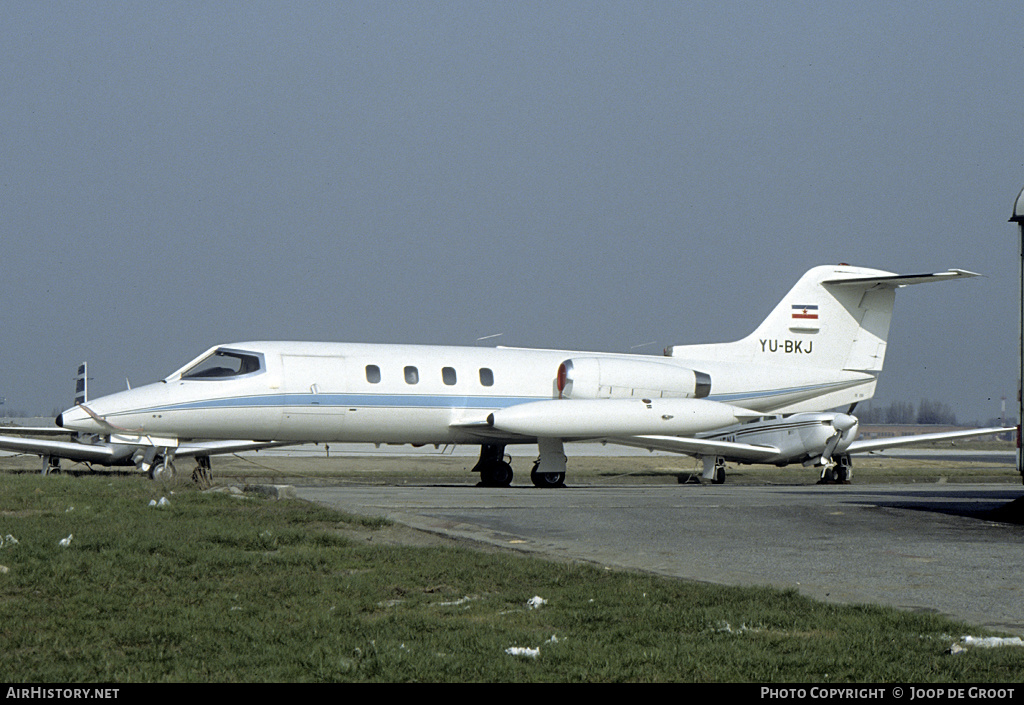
(365, 401)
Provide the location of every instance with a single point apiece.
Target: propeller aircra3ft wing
(822, 347)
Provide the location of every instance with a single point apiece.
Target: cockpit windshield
(223, 363)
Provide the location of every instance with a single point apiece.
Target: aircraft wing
(188, 450)
(700, 446)
(79, 452)
(108, 453)
(36, 430)
(872, 444)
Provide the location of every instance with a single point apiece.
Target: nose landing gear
(494, 470)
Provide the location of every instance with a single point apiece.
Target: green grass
(214, 588)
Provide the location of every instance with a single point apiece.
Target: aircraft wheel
(719, 478)
(844, 471)
(51, 465)
(162, 470)
(496, 474)
(547, 479)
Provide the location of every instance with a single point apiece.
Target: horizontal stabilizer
(902, 279)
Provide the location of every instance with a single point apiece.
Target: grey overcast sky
(582, 175)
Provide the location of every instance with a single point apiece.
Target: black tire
(547, 479)
(497, 474)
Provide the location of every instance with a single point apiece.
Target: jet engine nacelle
(616, 378)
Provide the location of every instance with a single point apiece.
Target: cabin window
(448, 375)
(372, 374)
(412, 375)
(225, 363)
(486, 377)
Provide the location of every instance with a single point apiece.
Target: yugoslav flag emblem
(805, 312)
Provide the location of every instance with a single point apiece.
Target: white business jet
(822, 347)
(98, 449)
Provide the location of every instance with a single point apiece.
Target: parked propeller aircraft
(822, 347)
(99, 449)
(818, 439)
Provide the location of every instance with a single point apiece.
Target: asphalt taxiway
(942, 548)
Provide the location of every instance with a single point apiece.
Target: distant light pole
(1018, 218)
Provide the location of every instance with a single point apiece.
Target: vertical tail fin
(834, 317)
(830, 329)
(81, 385)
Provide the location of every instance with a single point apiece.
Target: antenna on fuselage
(488, 337)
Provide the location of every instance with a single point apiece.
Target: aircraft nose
(75, 419)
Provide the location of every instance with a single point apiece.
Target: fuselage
(378, 393)
(323, 392)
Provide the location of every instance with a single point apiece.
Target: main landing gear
(838, 472)
(714, 469)
(51, 464)
(494, 470)
(546, 479)
(548, 470)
